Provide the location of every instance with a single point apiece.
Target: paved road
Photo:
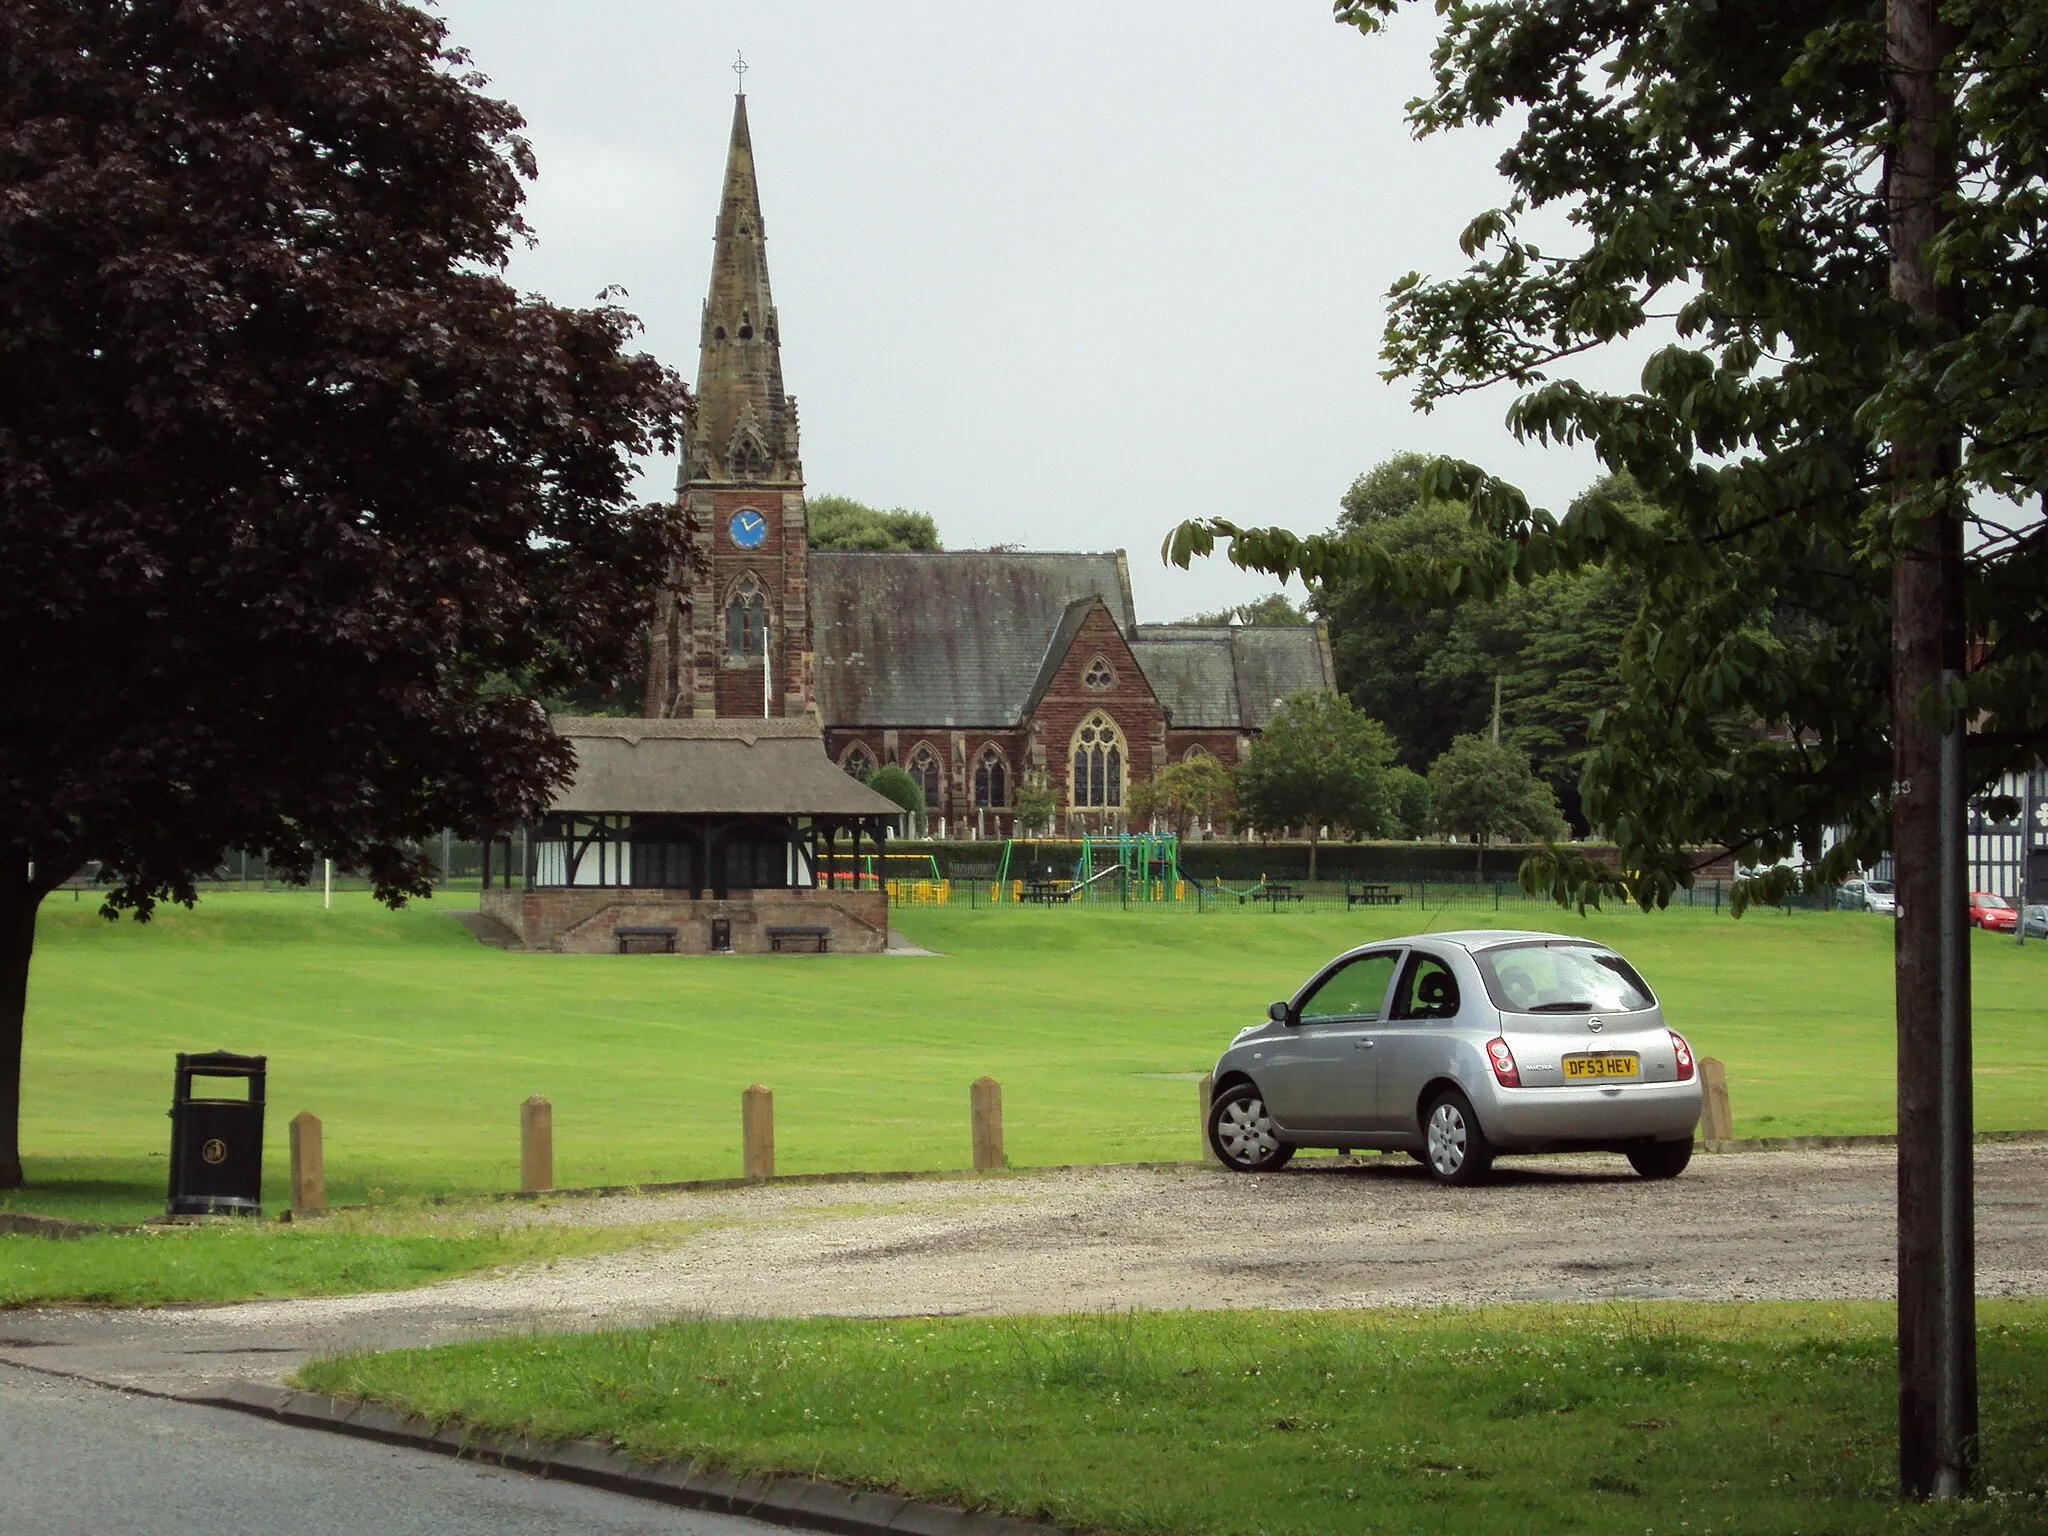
(86, 1461)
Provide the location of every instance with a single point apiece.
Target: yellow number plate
(1623, 1065)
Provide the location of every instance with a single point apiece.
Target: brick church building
(968, 669)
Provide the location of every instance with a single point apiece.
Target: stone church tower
(737, 640)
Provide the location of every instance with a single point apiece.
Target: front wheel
(1241, 1132)
(1661, 1159)
(1458, 1152)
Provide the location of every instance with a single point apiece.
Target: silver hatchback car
(1455, 1047)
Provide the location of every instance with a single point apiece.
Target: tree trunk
(1937, 1261)
(1314, 830)
(19, 898)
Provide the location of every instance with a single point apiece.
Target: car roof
(1472, 940)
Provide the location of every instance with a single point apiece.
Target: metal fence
(1278, 898)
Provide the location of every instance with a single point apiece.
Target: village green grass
(415, 1044)
(1751, 1418)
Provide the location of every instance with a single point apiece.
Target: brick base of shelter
(585, 921)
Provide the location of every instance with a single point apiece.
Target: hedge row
(1242, 863)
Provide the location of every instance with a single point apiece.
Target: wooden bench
(1372, 896)
(817, 937)
(1047, 891)
(1276, 894)
(645, 941)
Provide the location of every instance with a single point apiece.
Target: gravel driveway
(1373, 1231)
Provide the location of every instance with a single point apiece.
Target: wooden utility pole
(1937, 1257)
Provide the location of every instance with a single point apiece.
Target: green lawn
(1654, 1418)
(389, 1248)
(415, 1045)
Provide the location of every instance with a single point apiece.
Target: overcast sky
(1059, 274)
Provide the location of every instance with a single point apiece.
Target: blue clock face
(748, 528)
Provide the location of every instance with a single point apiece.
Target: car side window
(1356, 990)
(1428, 990)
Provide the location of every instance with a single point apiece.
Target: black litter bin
(217, 1141)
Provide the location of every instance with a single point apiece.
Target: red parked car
(1990, 910)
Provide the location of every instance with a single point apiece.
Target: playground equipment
(911, 879)
(1125, 866)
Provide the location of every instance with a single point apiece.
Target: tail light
(1507, 1074)
(1683, 1052)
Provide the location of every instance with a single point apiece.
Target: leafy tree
(1409, 791)
(1184, 793)
(1319, 762)
(1273, 608)
(1484, 790)
(1384, 646)
(1037, 802)
(290, 478)
(894, 783)
(1430, 671)
(1840, 205)
(840, 522)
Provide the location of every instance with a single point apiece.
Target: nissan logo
(1594, 1025)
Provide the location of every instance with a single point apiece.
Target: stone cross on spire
(740, 66)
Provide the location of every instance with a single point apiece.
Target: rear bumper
(1525, 1117)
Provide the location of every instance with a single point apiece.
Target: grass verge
(386, 1250)
(1757, 1418)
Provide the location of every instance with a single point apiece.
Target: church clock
(748, 528)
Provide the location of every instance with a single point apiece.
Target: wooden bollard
(1207, 1098)
(309, 1167)
(985, 1109)
(757, 1133)
(536, 1145)
(1716, 1122)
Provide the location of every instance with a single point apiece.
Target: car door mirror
(1278, 1013)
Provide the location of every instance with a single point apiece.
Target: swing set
(1123, 867)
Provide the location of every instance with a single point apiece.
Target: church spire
(746, 426)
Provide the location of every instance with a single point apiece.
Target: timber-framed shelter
(725, 831)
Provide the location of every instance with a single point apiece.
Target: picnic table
(1276, 893)
(1047, 892)
(1368, 895)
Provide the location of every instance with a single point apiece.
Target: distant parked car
(1867, 896)
(2034, 922)
(1992, 911)
(1456, 1046)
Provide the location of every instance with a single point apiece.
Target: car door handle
(1364, 1045)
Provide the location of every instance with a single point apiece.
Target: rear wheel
(1241, 1132)
(1660, 1159)
(1458, 1152)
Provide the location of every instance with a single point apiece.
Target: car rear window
(1562, 978)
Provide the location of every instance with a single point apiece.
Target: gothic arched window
(857, 763)
(746, 621)
(1098, 765)
(1100, 676)
(991, 780)
(924, 768)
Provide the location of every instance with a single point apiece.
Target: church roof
(946, 639)
(1217, 677)
(703, 767)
